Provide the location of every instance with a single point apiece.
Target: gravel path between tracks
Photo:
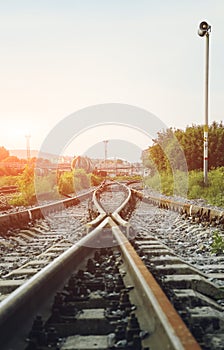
(21, 246)
(191, 241)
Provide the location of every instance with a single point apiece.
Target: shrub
(25, 183)
(167, 183)
(215, 190)
(45, 183)
(153, 182)
(82, 178)
(66, 183)
(162, 182)
(217, 246)
(73, 181)
(196, 185)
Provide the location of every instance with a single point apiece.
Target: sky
(61, 56)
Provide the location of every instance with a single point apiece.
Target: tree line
(12, 165)
(181, 148)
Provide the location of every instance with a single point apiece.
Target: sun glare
(17, 136)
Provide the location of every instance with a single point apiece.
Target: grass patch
(217, 246)
(213, 193)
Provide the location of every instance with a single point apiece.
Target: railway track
(98, 291)
(8, 189)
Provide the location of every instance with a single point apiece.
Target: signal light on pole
(204, 30)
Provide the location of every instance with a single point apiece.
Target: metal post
(28, 146)
(206, 110)
(105, 151)
(204, 30)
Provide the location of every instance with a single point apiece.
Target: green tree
(216, 145)
(191, 141)
(166, 152)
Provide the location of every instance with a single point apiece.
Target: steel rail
(194, 211)
(26, 300)
(103, 214)
(22, 218)
(166, 324)
(116, 214)
(166, 328)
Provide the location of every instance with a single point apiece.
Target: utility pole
(105, 151)
(27, 147)
(204, 30)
